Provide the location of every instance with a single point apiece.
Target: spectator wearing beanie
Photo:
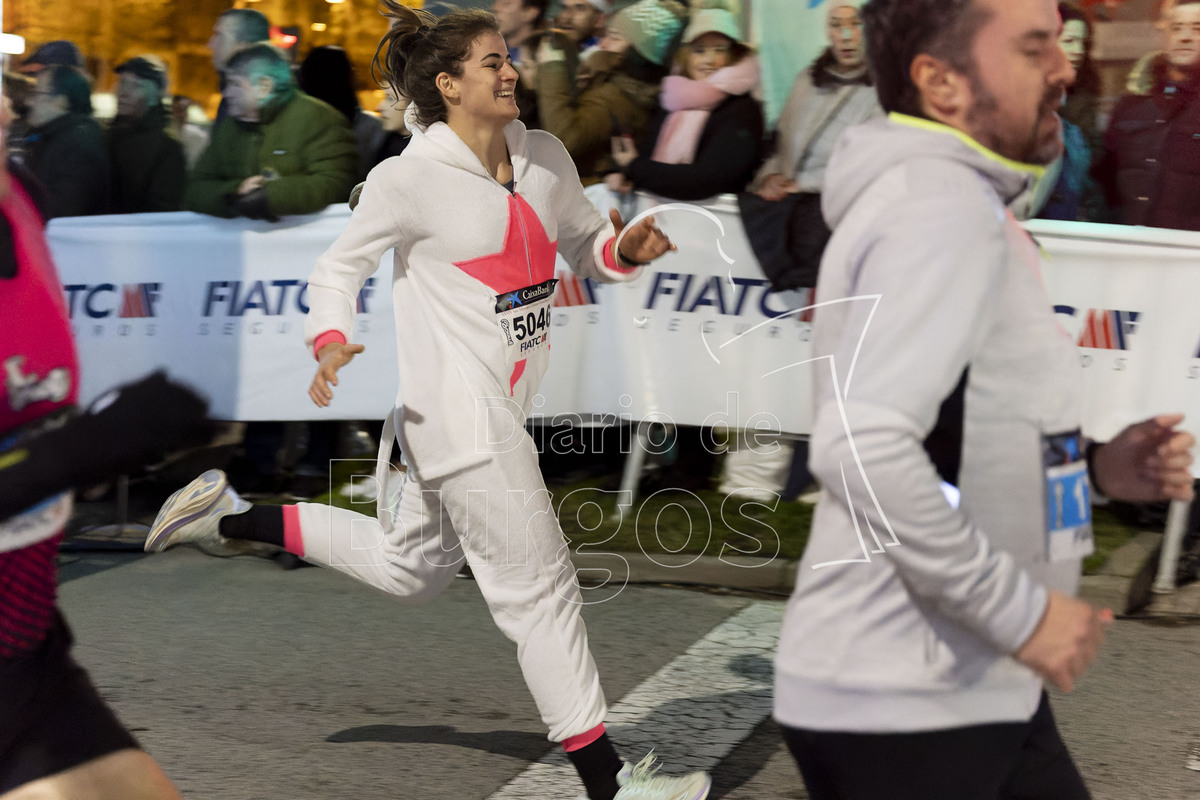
(705, 138)
(618, 86)
(148, 164)
(832, 95)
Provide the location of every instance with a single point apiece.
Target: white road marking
(693, 712)
(1193, 758)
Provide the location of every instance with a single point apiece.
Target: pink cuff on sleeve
(328, 337)
(610, 257)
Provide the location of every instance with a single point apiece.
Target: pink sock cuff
(582, 740)
(293, 542)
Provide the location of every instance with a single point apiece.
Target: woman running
(475, 210)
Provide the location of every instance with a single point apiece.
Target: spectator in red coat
(1150, 166)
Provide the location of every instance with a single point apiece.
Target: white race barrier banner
(697, 339)
(219, 304)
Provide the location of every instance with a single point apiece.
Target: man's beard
(984, 119)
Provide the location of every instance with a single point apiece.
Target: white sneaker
(641, 783)
(193, 514)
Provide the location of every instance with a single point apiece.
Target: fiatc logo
(574, 291)
(251, 302)
(1105, 330)
(104, 302)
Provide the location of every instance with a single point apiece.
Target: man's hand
(642, 242)
(251, 183)
(776, 187)
(1147, 462)
(331, 358)
(1066, 640)
(617, 182)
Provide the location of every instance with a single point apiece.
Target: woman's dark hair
(1087, 79)
(823, 75)
(897, 31)
(419, 47)
(328, 75)
(71, 84)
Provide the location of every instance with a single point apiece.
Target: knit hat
(712, 20)
(145, 67)
(651, 27)
(603, 6)
(60, 52)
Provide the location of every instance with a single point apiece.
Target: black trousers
(1001, 761)
(51, 716)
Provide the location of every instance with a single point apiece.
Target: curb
(1108, 588)
(742, 573)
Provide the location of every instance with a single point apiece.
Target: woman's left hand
(642, 242)
(624, 151)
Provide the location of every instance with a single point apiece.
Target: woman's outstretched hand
(330, 359)
(642, 242)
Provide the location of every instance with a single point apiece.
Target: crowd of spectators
(658, 96)
(661, 96)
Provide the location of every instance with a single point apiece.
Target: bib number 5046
(531, 324)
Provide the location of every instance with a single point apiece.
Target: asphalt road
(248, 682)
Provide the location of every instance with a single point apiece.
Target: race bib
(524, 319)
(1068, 497)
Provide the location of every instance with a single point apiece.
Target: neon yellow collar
(938, 127)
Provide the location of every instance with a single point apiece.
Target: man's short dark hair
(263, 60)
(249, 26)
(900, 30)
(70, 83)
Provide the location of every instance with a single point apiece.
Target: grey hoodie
(908, 603)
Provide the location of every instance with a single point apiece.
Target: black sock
(259, 524)
(598, 765)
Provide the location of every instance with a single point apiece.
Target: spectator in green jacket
(148, 164)
(278, 151)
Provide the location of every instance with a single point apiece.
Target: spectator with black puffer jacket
(65, 147)
(705, 139)
(149, 166)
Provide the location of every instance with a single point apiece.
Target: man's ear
(447, 85)
(945, 92)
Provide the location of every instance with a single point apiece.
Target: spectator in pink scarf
(706, 137)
